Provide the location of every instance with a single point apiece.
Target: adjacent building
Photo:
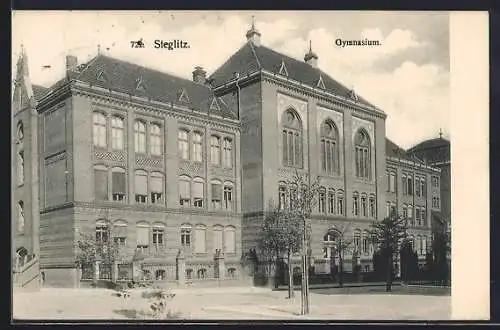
(163, 165)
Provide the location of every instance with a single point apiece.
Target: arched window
(340, 202)
(355, 204)
(140, 136)
(366, 243)
(183, 144)
(372, 207)
(322, 200)
(329, 147)
(228, 195)
(118, 185)
(20, 167)
(362, 154)
(156, 186)
(202, 273)
(20, 132)
(229, 239)
(364, 206)
(101, 232)
(228, 152)
(158, 236)
(292, 139)
(282, 196)
(160, 274)
(215, 150)
(184, 191)
(329, 244)
(156, 139)
(198, 192)
(218, 238)
(197, 147)
(120, 233)
(20, 216)
(186, 235)
(117, 133)
(99, 130)
(200, 239)
(141, 187)
(357, 240)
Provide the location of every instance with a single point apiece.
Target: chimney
(253, 35)
(199, 75)
(71, 62)
(311, 58)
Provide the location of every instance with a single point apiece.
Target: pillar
(181, 269)
(96, 272)
(219, 264)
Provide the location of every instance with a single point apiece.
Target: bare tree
(387, 235)
(343, 243)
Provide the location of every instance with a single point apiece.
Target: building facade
(163, 165)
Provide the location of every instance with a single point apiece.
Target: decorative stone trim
(111, 156)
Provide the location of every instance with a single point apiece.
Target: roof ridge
(254, 54)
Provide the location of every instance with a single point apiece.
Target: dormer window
(214, 105)
(283, 71)
(140, 84)
(101, 75)
(320, 83)
(183, 96)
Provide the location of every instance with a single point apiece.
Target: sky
(407, 76)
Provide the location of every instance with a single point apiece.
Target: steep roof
(433, 150)
(393, 150)
(121, 76)
(250, 58)
(39, 91)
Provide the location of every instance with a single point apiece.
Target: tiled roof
(39, 91)
(433, 151)
(393, 150)
(250, 58)
(133, 79)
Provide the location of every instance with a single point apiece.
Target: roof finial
(99, 49)
(253, 35)
(310, 46)
(253, 22)
(440, 133)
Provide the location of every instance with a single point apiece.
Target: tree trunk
(341, 270)
(290, 276)
(388, 285)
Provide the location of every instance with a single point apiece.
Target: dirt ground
(227, 303)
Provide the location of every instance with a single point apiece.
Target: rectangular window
(183, 144)
(118, 186)
(141, 187)
(117, 133)
(405, 211)
(186, 237)
(228, 152)
(142, 237)
(156, 189)
(20, 168)
(405, 185)
(298, 151)
(422, 187)
(184, 193)
(216, 195)
(140, 136)
(215, 150)
(197, 147)
(410, 186)
(156, 139)
(101, 184)
(323, 155)
(158, 237)
(410, 211)
(285, 147)
(388, 177)
(198, 194)
(417, 187)
(229, 241)
(200, 240)
(417, 216)
(392, 182)
(218, 239)
(282, 197)
(228, 197)
(101, 234)
(120, 241)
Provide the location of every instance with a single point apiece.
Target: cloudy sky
(407, 77)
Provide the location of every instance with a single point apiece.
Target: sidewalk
(336, 285)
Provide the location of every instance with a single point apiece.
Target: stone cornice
(414, 165)
(118, 100)
(140, 208)
(335, 100)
